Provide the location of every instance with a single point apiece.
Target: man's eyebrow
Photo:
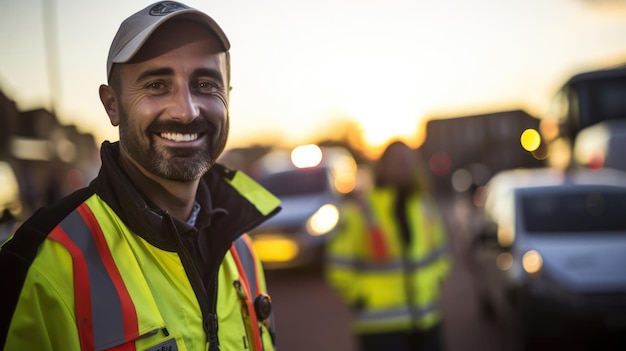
(200, 72)
(208, 72)
(155, 73)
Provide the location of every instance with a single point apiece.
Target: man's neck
(177, 198)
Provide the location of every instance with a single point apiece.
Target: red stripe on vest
(377, 244)
(131, 325)
(250, 300)
(82, 293)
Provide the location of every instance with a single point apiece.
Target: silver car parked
(551, 259)
(311, 182)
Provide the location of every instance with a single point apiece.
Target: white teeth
(178, 137)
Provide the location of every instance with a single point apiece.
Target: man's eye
(208, 87)
(156, 86)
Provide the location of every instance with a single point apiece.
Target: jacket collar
(225, 212)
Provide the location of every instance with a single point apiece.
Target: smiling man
(171, 104)
(152, 254)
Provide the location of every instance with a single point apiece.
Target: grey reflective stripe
(365, 266)
(399, 313)
(106, 308)
(386, 266)
(430, 259)
(425, 310)
(380, 267)
(341, 262)
(370, 316)
(247, 261)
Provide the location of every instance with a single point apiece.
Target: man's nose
(184, 106)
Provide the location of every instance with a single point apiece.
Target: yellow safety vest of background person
(401, 287)
(392, 282)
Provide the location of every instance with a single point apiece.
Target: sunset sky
(299, 67)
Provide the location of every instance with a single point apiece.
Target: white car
(602, 145)
(310, 182)
(552, 256)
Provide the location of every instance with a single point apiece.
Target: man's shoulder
(21, 251)
(46, 218)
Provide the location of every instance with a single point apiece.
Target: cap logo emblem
(166, 7)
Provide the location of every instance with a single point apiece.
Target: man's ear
(109, 101)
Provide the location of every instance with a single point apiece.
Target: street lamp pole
(52, 53)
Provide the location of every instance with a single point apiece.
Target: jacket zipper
(207, 303)
(212, 328)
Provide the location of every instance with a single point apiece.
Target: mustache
(198, 125)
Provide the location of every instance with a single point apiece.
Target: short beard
(182, 165)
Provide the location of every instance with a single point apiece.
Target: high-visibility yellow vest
(394, 287)
(122, 293)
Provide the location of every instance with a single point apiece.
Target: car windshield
(603, 100)
(296, 182)
(603, 211)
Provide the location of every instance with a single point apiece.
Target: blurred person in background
(152, 254)
(389, 258)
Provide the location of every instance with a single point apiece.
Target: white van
(550, 261)
(602, 146)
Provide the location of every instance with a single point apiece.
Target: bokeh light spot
(305, 156)
(530, 140)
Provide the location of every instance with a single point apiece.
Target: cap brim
(130, 49)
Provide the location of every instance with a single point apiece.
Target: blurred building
(42, 158)
(8, 118)
(464, 152)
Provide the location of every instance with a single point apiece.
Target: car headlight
(504, 261)
(323, 220)
(532, 262)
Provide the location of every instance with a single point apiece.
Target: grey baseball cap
(136, 29)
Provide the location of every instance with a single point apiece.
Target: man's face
(173, 102)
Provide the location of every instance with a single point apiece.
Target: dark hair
(413, 161)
